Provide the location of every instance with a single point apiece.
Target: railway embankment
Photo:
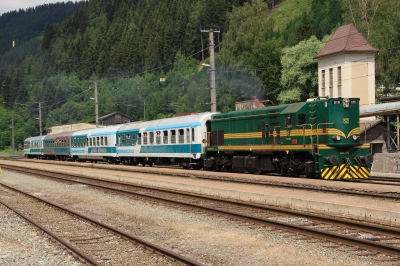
(355, 207)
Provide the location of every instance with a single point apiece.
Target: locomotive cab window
(337, 102)
(353, 101)
(301, 119)
(165, 137)
(288, 121)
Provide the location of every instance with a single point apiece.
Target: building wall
(357, 71)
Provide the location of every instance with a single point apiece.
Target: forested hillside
(26, 28)
(131, 44)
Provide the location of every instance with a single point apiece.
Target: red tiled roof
(346, 38)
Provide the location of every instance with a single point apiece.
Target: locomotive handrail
(318, 133)
(276, 133)
(365, 131)
(304, 134)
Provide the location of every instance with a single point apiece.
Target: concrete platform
(373, 210)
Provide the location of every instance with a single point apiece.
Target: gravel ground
(207, 239)
(22, 244)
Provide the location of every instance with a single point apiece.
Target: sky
(10, 5)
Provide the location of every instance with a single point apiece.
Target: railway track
(379, 180)
(87, 239)
(365, 238)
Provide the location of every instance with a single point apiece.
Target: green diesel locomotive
(317, 138)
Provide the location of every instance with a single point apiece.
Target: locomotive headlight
(337, 137)
(355, 137)
(346, 103)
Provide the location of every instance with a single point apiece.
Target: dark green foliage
(303, 32)
(324, 16)
(267, 56)
(23, 26)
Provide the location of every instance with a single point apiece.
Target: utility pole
(96, 102)
(40, 118)
(12, 126)
(212, 70)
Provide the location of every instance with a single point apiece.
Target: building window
(339, 80)
(331, 82)
(323, 83)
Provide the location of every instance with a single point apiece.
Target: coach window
(151, 137)
(289, 121)
(158, 137)
(145, 138)
(90, 142)
(133, 139)
(128, 139)
(165, 137)
(181, 135)
(139, 138)
(173, 136)
(106, 141)
(101, 141)
(98, 141)
(192, 134)
(301, 119)
(123, 140)
(187, 135)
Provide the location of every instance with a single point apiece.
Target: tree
(249, 24)
(303, 32)
(267, 56)
(300, 71)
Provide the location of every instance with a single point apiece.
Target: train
(319, 138)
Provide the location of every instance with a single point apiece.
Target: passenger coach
(95, 144)
(177, 140)
(33, 147)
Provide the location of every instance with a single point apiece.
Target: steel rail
(74, 249)
(327, 190)
(347, 240)
(147, 244)
(340, 222)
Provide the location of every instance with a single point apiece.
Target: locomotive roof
(250, 112)
(180, 121)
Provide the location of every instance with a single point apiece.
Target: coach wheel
(117, 162)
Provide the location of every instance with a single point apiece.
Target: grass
(8, 151)
(287, 10)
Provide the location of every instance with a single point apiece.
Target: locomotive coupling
(333, 159)
(369, 158)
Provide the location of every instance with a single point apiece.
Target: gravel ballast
(207, 239)
(23, 244)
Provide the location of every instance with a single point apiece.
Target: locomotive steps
(365, 209)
